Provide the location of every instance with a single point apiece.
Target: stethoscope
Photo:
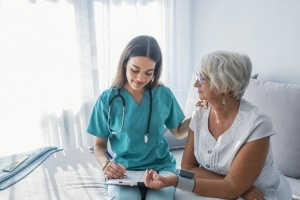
(123, 114)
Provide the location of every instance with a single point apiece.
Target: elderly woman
(228, 146)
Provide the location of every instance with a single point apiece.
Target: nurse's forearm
(100, 152)
(182, 130)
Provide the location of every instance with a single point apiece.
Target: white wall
(267, 30)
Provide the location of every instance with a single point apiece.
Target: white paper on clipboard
(132, 178)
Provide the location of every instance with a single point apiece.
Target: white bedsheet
(70, 175)
(65, 175)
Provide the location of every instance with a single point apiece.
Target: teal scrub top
(128, 145)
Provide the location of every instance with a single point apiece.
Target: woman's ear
(227, 91)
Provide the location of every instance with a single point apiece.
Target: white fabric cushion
(281, 102)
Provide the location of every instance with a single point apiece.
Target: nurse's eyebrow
(135, 66)
(140, 68)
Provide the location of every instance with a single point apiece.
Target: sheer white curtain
(57, 56)
(169, 21)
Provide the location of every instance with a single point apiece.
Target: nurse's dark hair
(142, 45)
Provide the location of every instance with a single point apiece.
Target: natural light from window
(34, 68)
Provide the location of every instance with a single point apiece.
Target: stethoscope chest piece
(146, 138)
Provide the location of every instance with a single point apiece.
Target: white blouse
(217, 155)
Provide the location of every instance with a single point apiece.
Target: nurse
(131, 115)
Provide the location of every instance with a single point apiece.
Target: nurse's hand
(114, 170)
(202, 103)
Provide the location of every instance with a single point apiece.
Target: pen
(108, 155)
(111, 158)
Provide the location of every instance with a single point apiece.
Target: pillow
(281, 102)
(254, 76)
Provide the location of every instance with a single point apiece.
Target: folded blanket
(35, 158)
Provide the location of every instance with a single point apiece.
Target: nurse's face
(139, 72)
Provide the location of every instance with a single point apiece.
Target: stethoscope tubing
(123, 114)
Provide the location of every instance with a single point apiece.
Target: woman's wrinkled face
(203, 86)
(202, 83)
(139, 72)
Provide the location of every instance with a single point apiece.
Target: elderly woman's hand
(253, 194)
(154, 180)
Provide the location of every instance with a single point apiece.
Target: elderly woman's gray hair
(226, 70)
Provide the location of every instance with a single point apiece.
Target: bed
(67, 175)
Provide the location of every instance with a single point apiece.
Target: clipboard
(132, 178)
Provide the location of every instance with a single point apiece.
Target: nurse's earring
(152, 79)
(224, 101)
